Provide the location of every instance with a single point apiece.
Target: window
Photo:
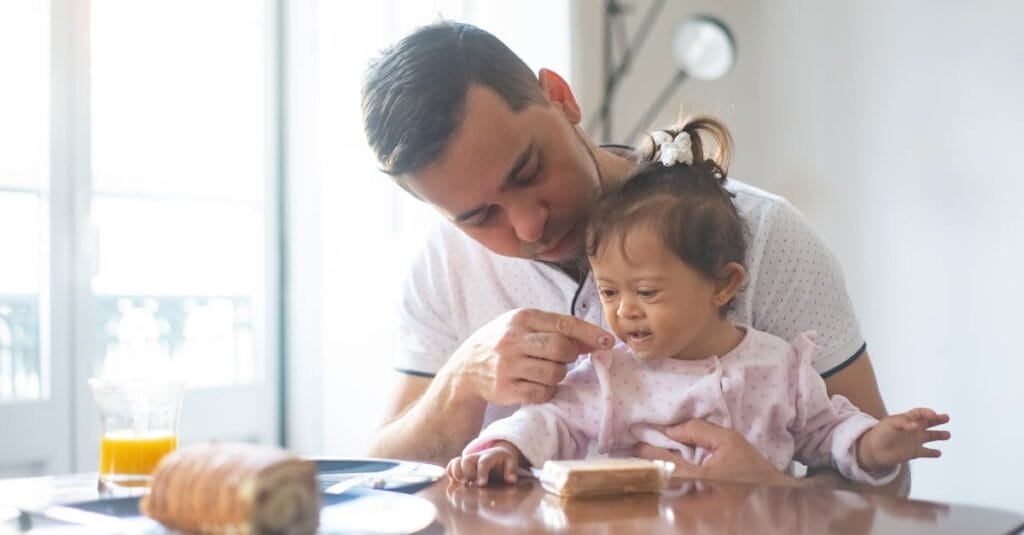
(178, 188)
(138, 170)
(24, 206)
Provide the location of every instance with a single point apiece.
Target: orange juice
(132, 454)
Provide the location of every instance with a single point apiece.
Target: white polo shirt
(794, 284)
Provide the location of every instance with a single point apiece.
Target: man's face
(520, 183)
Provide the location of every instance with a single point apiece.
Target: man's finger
(697, 432)
(530, 392)
(550, 346)
(539, 371)
(587, 335)
(683, 468)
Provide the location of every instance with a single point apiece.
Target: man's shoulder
(759, 208)
(749, 195)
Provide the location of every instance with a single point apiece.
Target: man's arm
(857, 383)
(427, 421)
(801, 280)
(519, 357)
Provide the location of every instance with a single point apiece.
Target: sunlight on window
(24, 208)
(178, 141)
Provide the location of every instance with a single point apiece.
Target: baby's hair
(687, 205)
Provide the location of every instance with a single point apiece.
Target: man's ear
(726, 287)
(558, 92)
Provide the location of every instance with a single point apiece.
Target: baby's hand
(502, 458)
(900, 438)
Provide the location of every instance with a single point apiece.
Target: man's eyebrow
(510, 179)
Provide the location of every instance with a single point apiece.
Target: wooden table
(696, 507)
(687, 507)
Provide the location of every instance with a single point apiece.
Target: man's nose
(528, 220)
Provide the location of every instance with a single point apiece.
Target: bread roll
(226, 488)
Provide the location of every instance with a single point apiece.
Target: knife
(96, 521)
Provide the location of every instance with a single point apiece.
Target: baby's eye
(607, 293)
(647, 294)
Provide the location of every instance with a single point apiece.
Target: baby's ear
(732, 276)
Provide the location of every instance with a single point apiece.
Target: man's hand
(731, 458)
(522, 354)
(518, 357)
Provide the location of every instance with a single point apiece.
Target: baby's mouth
(638, 337)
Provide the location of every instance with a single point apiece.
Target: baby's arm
(900, 438)
(502, 458)
(562, 428)
(828, 430)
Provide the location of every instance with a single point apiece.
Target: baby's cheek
(616, 330)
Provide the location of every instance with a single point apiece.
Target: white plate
(374, 511)
(384, 474)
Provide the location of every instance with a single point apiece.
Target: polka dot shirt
(794, 284)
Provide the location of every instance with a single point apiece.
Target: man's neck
(616, 162)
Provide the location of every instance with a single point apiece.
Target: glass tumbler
(138, 426)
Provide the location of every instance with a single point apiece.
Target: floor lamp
(703, 49)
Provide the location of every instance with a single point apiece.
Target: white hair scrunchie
(673, 150)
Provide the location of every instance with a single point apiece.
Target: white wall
(894, 127)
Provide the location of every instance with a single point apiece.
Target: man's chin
(568, 249)
(567, 257)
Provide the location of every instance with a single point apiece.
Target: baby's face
(653, 301)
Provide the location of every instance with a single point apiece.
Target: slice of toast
(603, 476)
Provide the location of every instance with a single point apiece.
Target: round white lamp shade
(703, 48)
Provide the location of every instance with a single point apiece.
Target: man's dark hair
(414, 95)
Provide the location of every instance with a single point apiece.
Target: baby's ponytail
(678, 190)
(691, 149)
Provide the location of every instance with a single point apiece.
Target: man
(500, 302)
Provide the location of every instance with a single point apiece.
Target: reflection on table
(706, 507)
(684, 507)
